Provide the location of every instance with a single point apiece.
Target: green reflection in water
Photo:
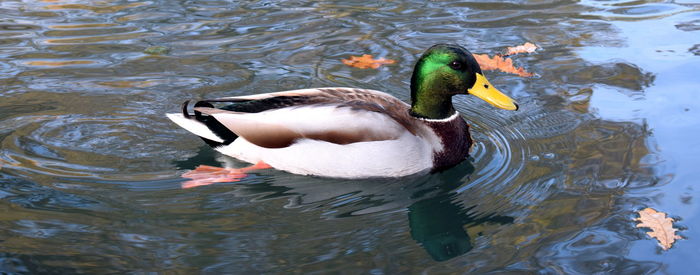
(438, 223)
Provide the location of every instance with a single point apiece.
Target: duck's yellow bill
(484, 90)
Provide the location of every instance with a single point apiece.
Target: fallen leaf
(524, 48)
(499, 63)
(366, 61)
(660, 225)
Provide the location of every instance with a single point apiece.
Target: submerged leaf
(366, 61)
(524, 48)
(660, 225)
(499, 63)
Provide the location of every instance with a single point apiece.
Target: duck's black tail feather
(210, 122)
(236, 105)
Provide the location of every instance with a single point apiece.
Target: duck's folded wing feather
(335, 123)
(313, 94)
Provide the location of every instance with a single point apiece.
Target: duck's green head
(446, 70)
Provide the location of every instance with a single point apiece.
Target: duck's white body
(331, 132)
(387, 158)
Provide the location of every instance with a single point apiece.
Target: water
(90, 167)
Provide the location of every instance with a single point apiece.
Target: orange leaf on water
(524, 48)
(366, 61)
(499, 63)
(660, 225)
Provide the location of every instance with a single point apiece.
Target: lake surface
(90, 168)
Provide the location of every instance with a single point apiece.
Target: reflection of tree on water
(438, 223)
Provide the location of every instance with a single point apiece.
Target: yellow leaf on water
(524, 48)
(660, 225)
(366, 61)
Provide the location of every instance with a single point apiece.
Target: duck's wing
(336, 115)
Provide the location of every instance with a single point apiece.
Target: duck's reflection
(439, 224)
(438, 217)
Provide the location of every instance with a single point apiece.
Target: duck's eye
(456, 65)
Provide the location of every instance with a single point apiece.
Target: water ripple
(636, 10)
(80, 145)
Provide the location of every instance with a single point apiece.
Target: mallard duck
(349, 132)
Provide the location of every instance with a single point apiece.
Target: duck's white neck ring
(449, 118)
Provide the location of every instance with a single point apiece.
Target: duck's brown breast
(456, 141)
